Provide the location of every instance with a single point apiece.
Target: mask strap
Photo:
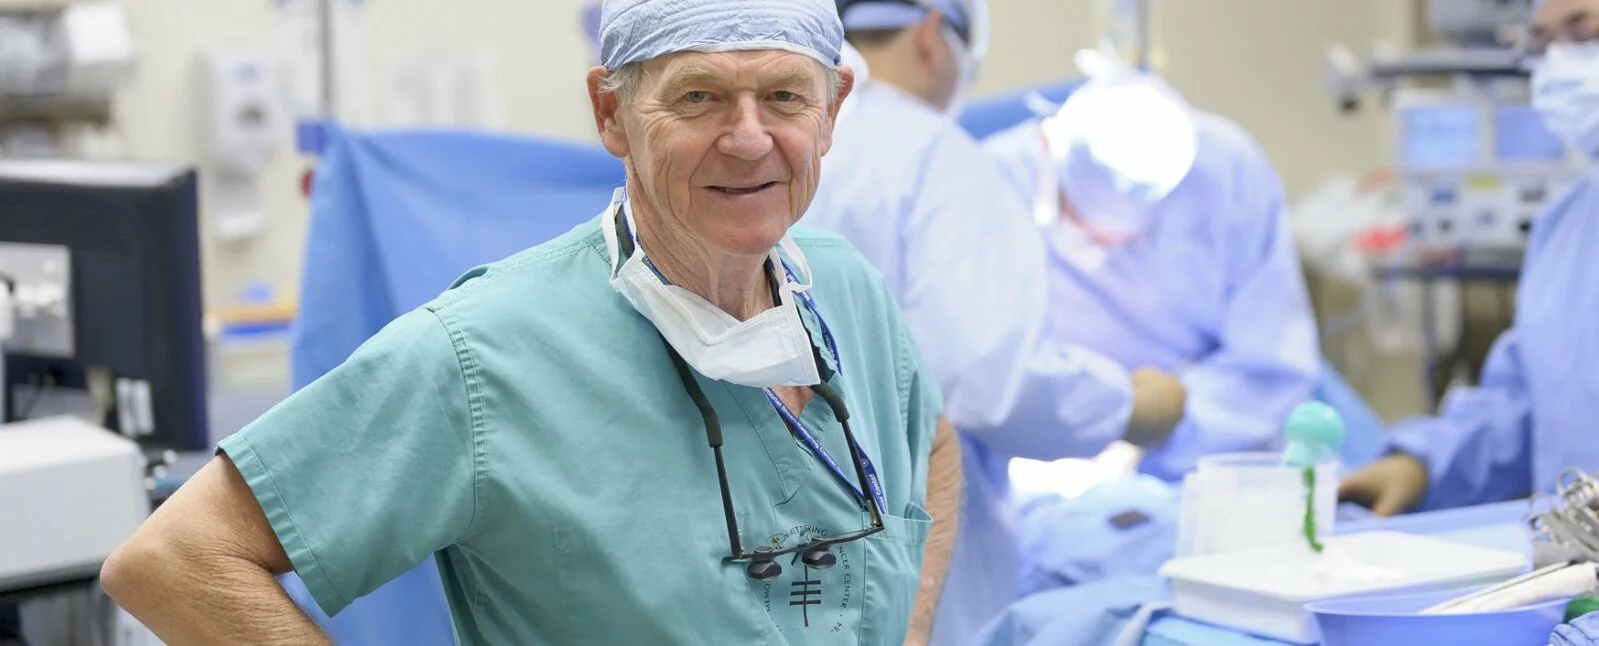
(802, 290)
(624, 239)
(628, 242)
(627, 217)
(798, 257)
(618, 234)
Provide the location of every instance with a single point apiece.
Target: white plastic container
(1235, 501)
(70, 493)
(1264, 591)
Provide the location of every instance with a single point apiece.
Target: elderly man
(678, 423)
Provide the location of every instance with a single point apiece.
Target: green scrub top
(529, 429)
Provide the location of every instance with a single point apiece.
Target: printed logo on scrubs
(807, 599)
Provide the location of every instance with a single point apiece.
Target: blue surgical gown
(913, 192)
(1212, 291)
(1125, 526)
(1102, 613)
(1533, 413)
(1582, 631)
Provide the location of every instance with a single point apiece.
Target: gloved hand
(1158, 402)
(1582, 631)
(1391, 485)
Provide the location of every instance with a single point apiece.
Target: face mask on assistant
(1565, 92)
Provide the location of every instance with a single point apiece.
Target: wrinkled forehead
(736, 69)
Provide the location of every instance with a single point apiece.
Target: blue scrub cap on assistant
(894, 14)
(968, 18)
(633, 31)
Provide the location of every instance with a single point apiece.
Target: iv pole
(1142, 33)
(325, 32)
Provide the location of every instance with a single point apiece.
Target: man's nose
(748, 138)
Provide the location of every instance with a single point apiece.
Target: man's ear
(607, 113)
(846, 84)
(927, 38)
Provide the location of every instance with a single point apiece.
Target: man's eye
(697, 96)
(784, 96)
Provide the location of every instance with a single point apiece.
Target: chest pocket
(894, 572)
(866, 597)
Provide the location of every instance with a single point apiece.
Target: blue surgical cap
(633, 31)
(862, 15)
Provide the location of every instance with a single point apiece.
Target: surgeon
(679, 423)
(1169, 247)
(1533, 413)
(913, 192)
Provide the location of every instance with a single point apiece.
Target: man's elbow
(135, 568)
(155, 564)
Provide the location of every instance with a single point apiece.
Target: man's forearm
(943, 504)
(188, 599)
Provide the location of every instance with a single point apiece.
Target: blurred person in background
(1532, 413)
(1169, 248)
(910, 189)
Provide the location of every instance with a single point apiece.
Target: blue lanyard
(799, 428)
(827, 334)
(809, 438)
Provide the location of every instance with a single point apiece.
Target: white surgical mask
(1565, 91)
(770, 349)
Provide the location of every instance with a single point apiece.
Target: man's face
(948, 67)
(944, 58)
(1558, 21)
(726, 146)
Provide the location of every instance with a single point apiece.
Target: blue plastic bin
(1391, 620)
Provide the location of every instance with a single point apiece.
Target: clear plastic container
(1238, 501)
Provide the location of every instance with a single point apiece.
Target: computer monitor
(137, 348)
(1440, 136)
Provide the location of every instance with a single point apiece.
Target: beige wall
(1255, 61)
(1260, 66)
(540, 59)
(1252, 60)
(157, 117)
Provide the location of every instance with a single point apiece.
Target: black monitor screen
(133, 237)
